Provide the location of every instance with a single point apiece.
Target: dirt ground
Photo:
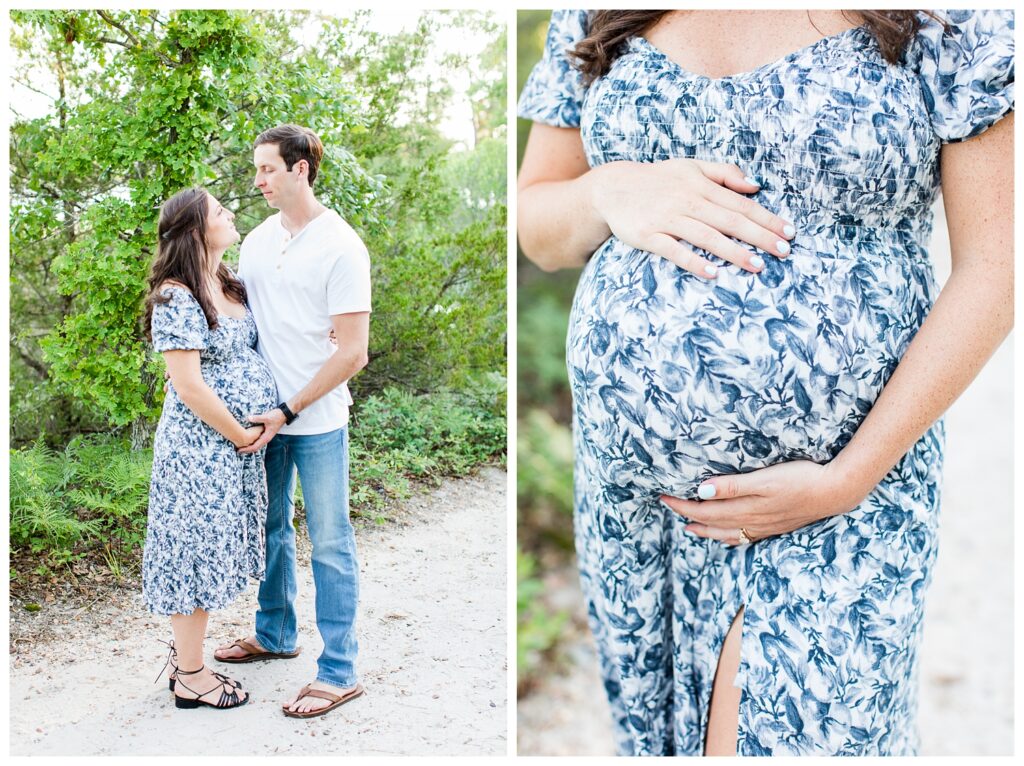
(432, 635)
(967, 668)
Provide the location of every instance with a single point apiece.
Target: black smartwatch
(289, 416)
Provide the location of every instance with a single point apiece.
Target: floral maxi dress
(676, 379)
(207, 503)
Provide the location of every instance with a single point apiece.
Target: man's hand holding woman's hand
(770, 501)
(272, 421)
(252, 433)
(651, 206)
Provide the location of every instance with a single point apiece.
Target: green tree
(148, 102)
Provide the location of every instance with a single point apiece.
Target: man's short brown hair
(295, 143)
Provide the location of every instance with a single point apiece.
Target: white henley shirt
(295, 285)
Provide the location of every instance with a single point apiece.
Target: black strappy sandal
(172, 656)
(227, 699)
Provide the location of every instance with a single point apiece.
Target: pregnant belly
(676, 378)
(245, 384)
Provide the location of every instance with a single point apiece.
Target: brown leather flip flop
(334, 699)
(255, 653)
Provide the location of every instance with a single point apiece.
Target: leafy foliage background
(544, 441)
(144, 103)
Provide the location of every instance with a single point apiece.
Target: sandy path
(432, 633)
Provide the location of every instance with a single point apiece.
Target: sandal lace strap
(226, 699)
(171, 656)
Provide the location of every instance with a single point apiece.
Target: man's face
(278, 185)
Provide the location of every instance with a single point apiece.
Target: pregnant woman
(759, 353)
(207, 503)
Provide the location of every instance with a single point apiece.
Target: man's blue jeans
(322, 463)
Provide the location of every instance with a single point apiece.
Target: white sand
(432, 634)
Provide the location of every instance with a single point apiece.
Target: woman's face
(220, 226)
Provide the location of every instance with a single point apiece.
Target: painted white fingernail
(788, 230)
(750, 180)
(757, 262)
(706, 491)
(783, 247)
(710, 270)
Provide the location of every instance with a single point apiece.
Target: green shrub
(112, 484)
(95, 490)
(93, 495)
(397, 436)
(544, 481)
(40, 518)
(540, 356)
(537, 627)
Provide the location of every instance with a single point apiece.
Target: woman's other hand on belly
(770, 501)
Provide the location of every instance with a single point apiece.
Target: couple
(241, 417)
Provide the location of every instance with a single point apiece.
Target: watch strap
(289, 416)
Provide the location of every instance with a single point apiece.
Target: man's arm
(353, 334)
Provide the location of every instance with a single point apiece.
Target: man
(307, 273)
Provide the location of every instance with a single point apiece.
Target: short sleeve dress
(207, 503)
(676, 379)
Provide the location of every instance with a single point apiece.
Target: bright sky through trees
(33, 96)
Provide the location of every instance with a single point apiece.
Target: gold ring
(745, 539)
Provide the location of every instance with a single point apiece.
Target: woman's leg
(724, 709)
(624, 574)
(189, 632)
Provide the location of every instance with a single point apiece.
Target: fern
(96, 489)
(39, 516)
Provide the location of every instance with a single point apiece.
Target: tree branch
(117, 25)
(24, 84)
(135, 42)
(41, 369)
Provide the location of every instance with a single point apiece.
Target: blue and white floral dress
(207, 504)
(676, 379)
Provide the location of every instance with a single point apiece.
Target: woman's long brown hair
(610, 30)
(182, 256)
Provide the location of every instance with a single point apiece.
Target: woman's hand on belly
(770, 501)
(567, 209)
(671, 207)
(251, 434)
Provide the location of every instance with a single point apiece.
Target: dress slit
(718, 651)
